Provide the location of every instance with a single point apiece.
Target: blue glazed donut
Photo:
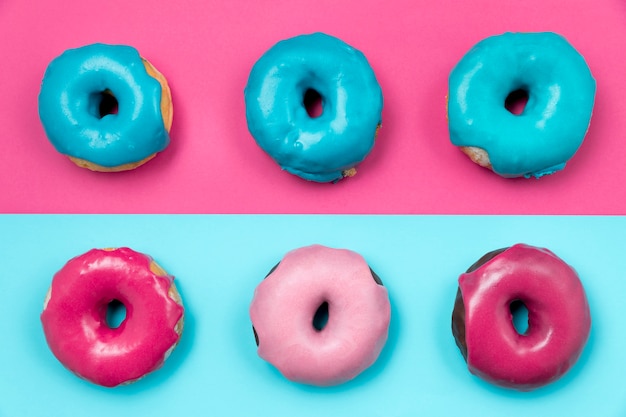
(324, 148)
(554, 121)
(75, 87)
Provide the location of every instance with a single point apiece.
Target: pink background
(206, 50)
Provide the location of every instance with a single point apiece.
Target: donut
(297, 73)
(321, 316)
(558, 325)
(105, 107)
(75, 323)
(540, 67)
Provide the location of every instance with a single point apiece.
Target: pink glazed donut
(321, 316)
(558, 317)
(75, 322)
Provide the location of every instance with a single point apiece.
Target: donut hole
(313, 103)
(320, 318)
(519, 316)
(116, 314)
(516, 101)
(103, 104)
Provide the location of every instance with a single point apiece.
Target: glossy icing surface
(553, 124)
(559, 320)
(69, 101)
(74, 316)
(286, 301)
(314, 148)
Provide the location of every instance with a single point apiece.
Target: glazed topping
(558, 318)
(320, 317)
(281, 82)
(75, 323)
(555, 119)
(77, 101)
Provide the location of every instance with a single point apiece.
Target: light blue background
(218, 260)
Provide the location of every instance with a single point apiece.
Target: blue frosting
(70, 95)
(553, 124)
(314, 148)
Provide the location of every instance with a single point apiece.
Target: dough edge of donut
(173, 293)
(477, 155)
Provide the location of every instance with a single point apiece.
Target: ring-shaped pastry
(321, 316)
(75, 322)
(560, 91)
(77, 84)
(559, 320)
(324, 148)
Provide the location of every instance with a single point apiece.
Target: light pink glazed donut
(559, 320)
(287, 304)
(75, 324)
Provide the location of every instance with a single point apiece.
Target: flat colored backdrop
(206, 50)
(219, 260)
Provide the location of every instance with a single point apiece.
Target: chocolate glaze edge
(458, 312)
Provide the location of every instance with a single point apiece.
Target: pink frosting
(285, 303)
(558, 318)
(74, 318)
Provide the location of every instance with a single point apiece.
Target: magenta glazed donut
(559, 320)
(321, 316)
(75, 322)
